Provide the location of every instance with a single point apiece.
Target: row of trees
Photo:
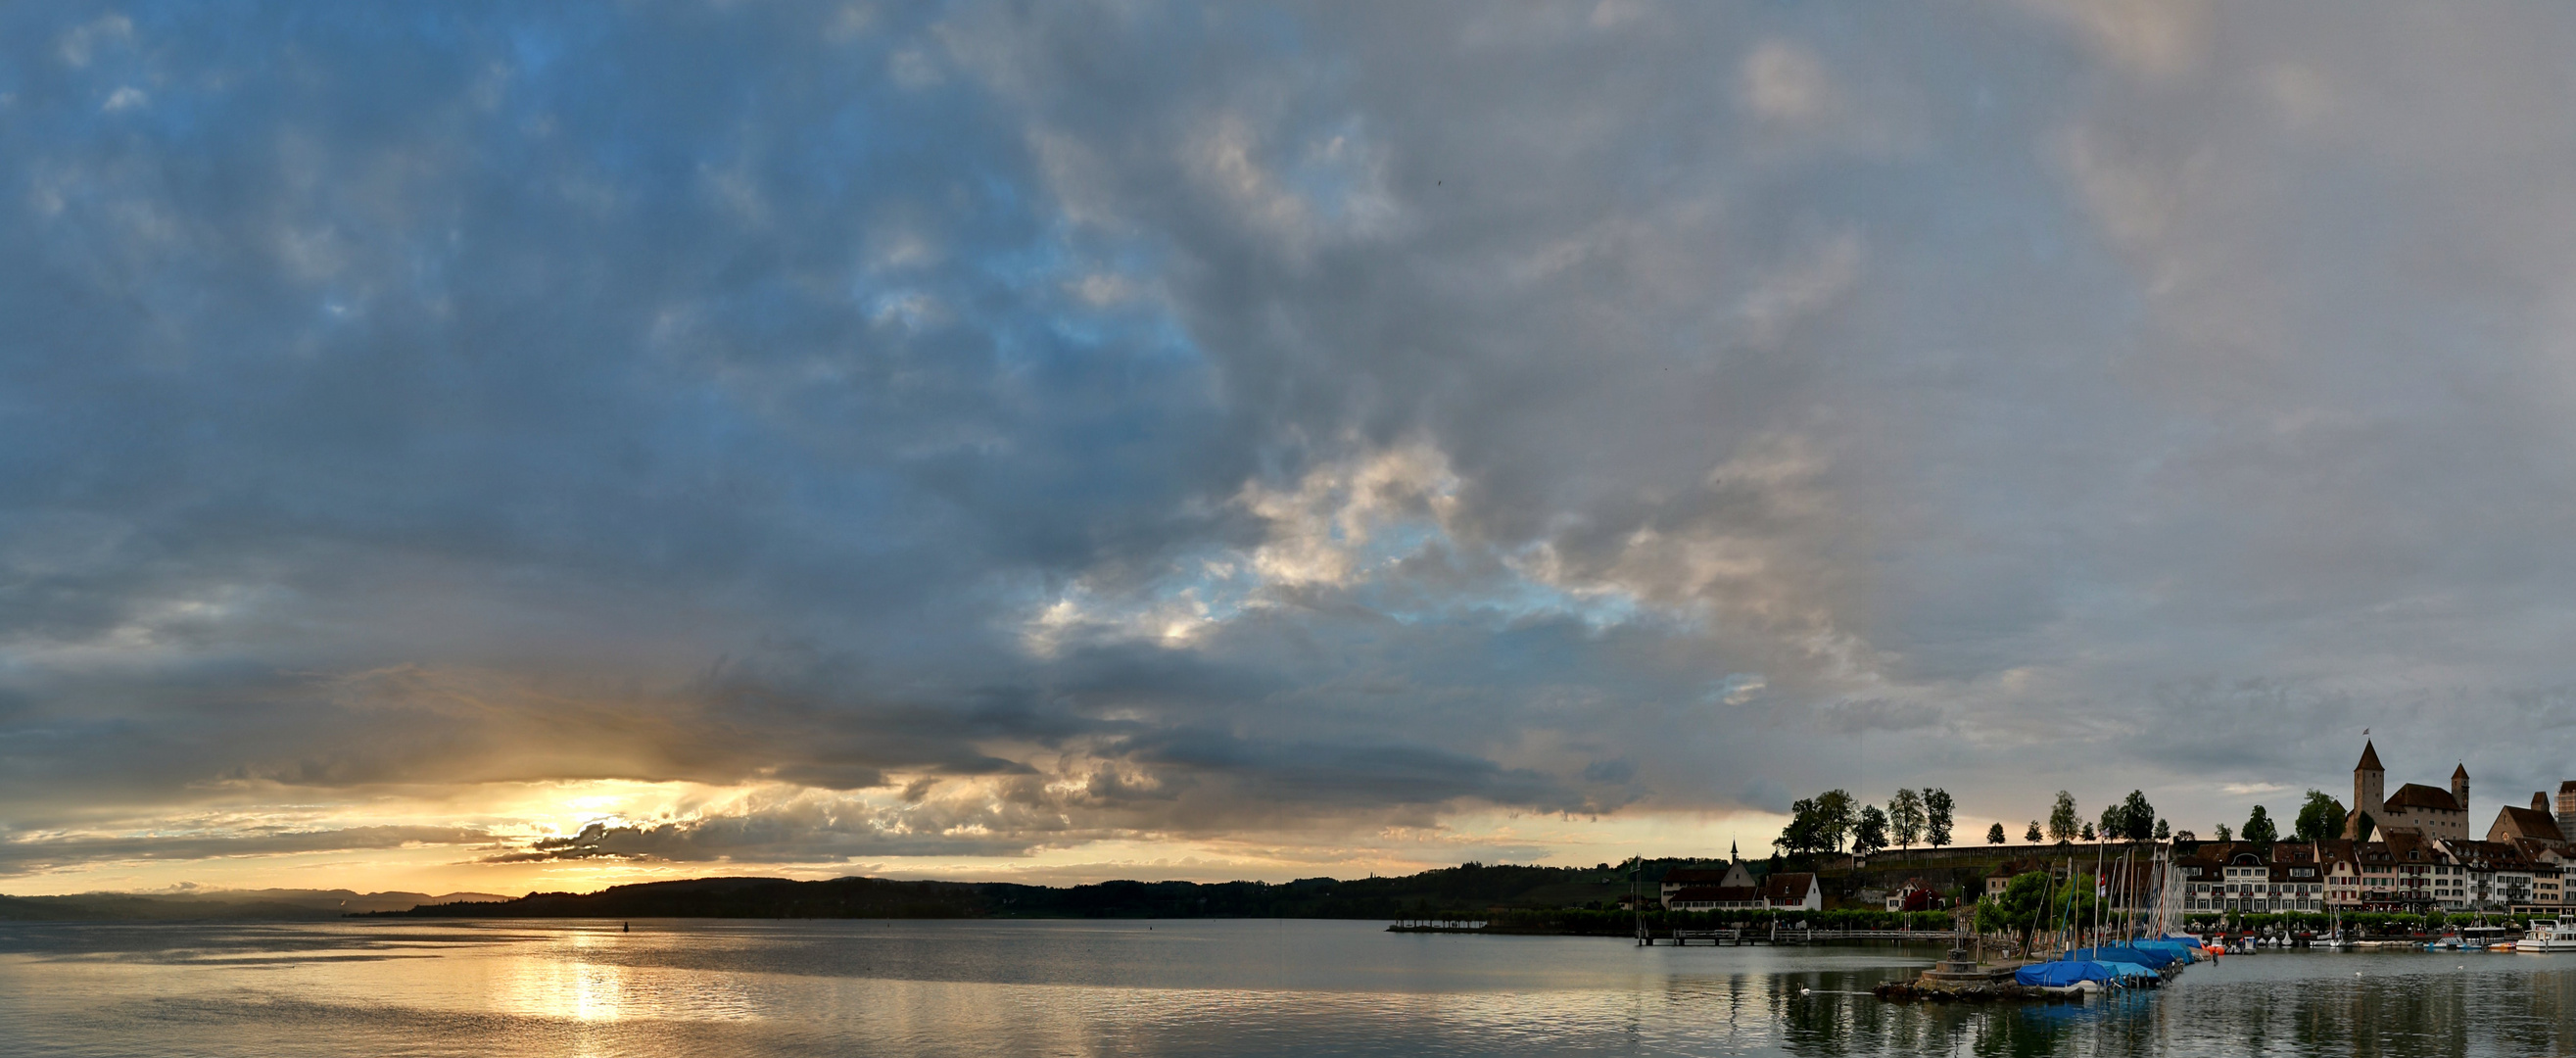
(1824, 823)
(2320, 818)
(2129, 819)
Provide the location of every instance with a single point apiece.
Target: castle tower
(2369, 791)
(2460, 789)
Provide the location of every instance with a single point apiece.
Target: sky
(483, 447)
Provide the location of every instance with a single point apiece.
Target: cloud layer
(971, 431)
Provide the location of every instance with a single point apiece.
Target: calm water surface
(1177, 988)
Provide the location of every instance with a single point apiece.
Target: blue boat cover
(2131, 972)
(2154, 960)
(2062, 974)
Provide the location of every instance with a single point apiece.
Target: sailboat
(2335, 941)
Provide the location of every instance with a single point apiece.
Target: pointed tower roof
(2460, 772)
(2369, 758)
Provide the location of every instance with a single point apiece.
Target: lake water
(1261, 987)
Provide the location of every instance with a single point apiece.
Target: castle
(2427, 811)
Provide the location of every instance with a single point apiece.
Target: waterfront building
(1714, 898)
(2485, 876)
(2397, 874)
(1710, 889)
(2539, 836)
(2237, 876)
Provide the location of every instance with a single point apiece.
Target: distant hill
(1468, 888)
(229, 904)
(1471, 888)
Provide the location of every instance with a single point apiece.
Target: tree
(2088, 831)
(1834, 817)
(2185, 835)
(2259, 828)
(1869, 832)
(1995, 834)
(2320, 817)
(2362, 827)
(1937, 819)
(1800, 836)
(2020, 909)
(2163, 832)
(2033, 834)
(2115, 822)
(2137, 817)
(2032, 902)
(1905, 818)
(2062, 820)
(2223, 834)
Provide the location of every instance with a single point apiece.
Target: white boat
(2548, 934)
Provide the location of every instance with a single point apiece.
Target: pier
(1778, 934)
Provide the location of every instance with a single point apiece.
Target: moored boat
(2548, 935)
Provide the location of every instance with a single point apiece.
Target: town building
(2487, 876)
(2238, 876)
(1915, 895)
(2567, 810)
(1792, 892)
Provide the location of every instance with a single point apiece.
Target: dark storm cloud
(1178, 419)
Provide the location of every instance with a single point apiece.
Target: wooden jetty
(1779, 934)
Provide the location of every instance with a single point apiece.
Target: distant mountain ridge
(1467, 888)
(254, 904)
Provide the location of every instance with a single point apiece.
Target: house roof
(1787, 888)
(2492, 855)
(2416, 795)
(2369, 758)
(2526, 823)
